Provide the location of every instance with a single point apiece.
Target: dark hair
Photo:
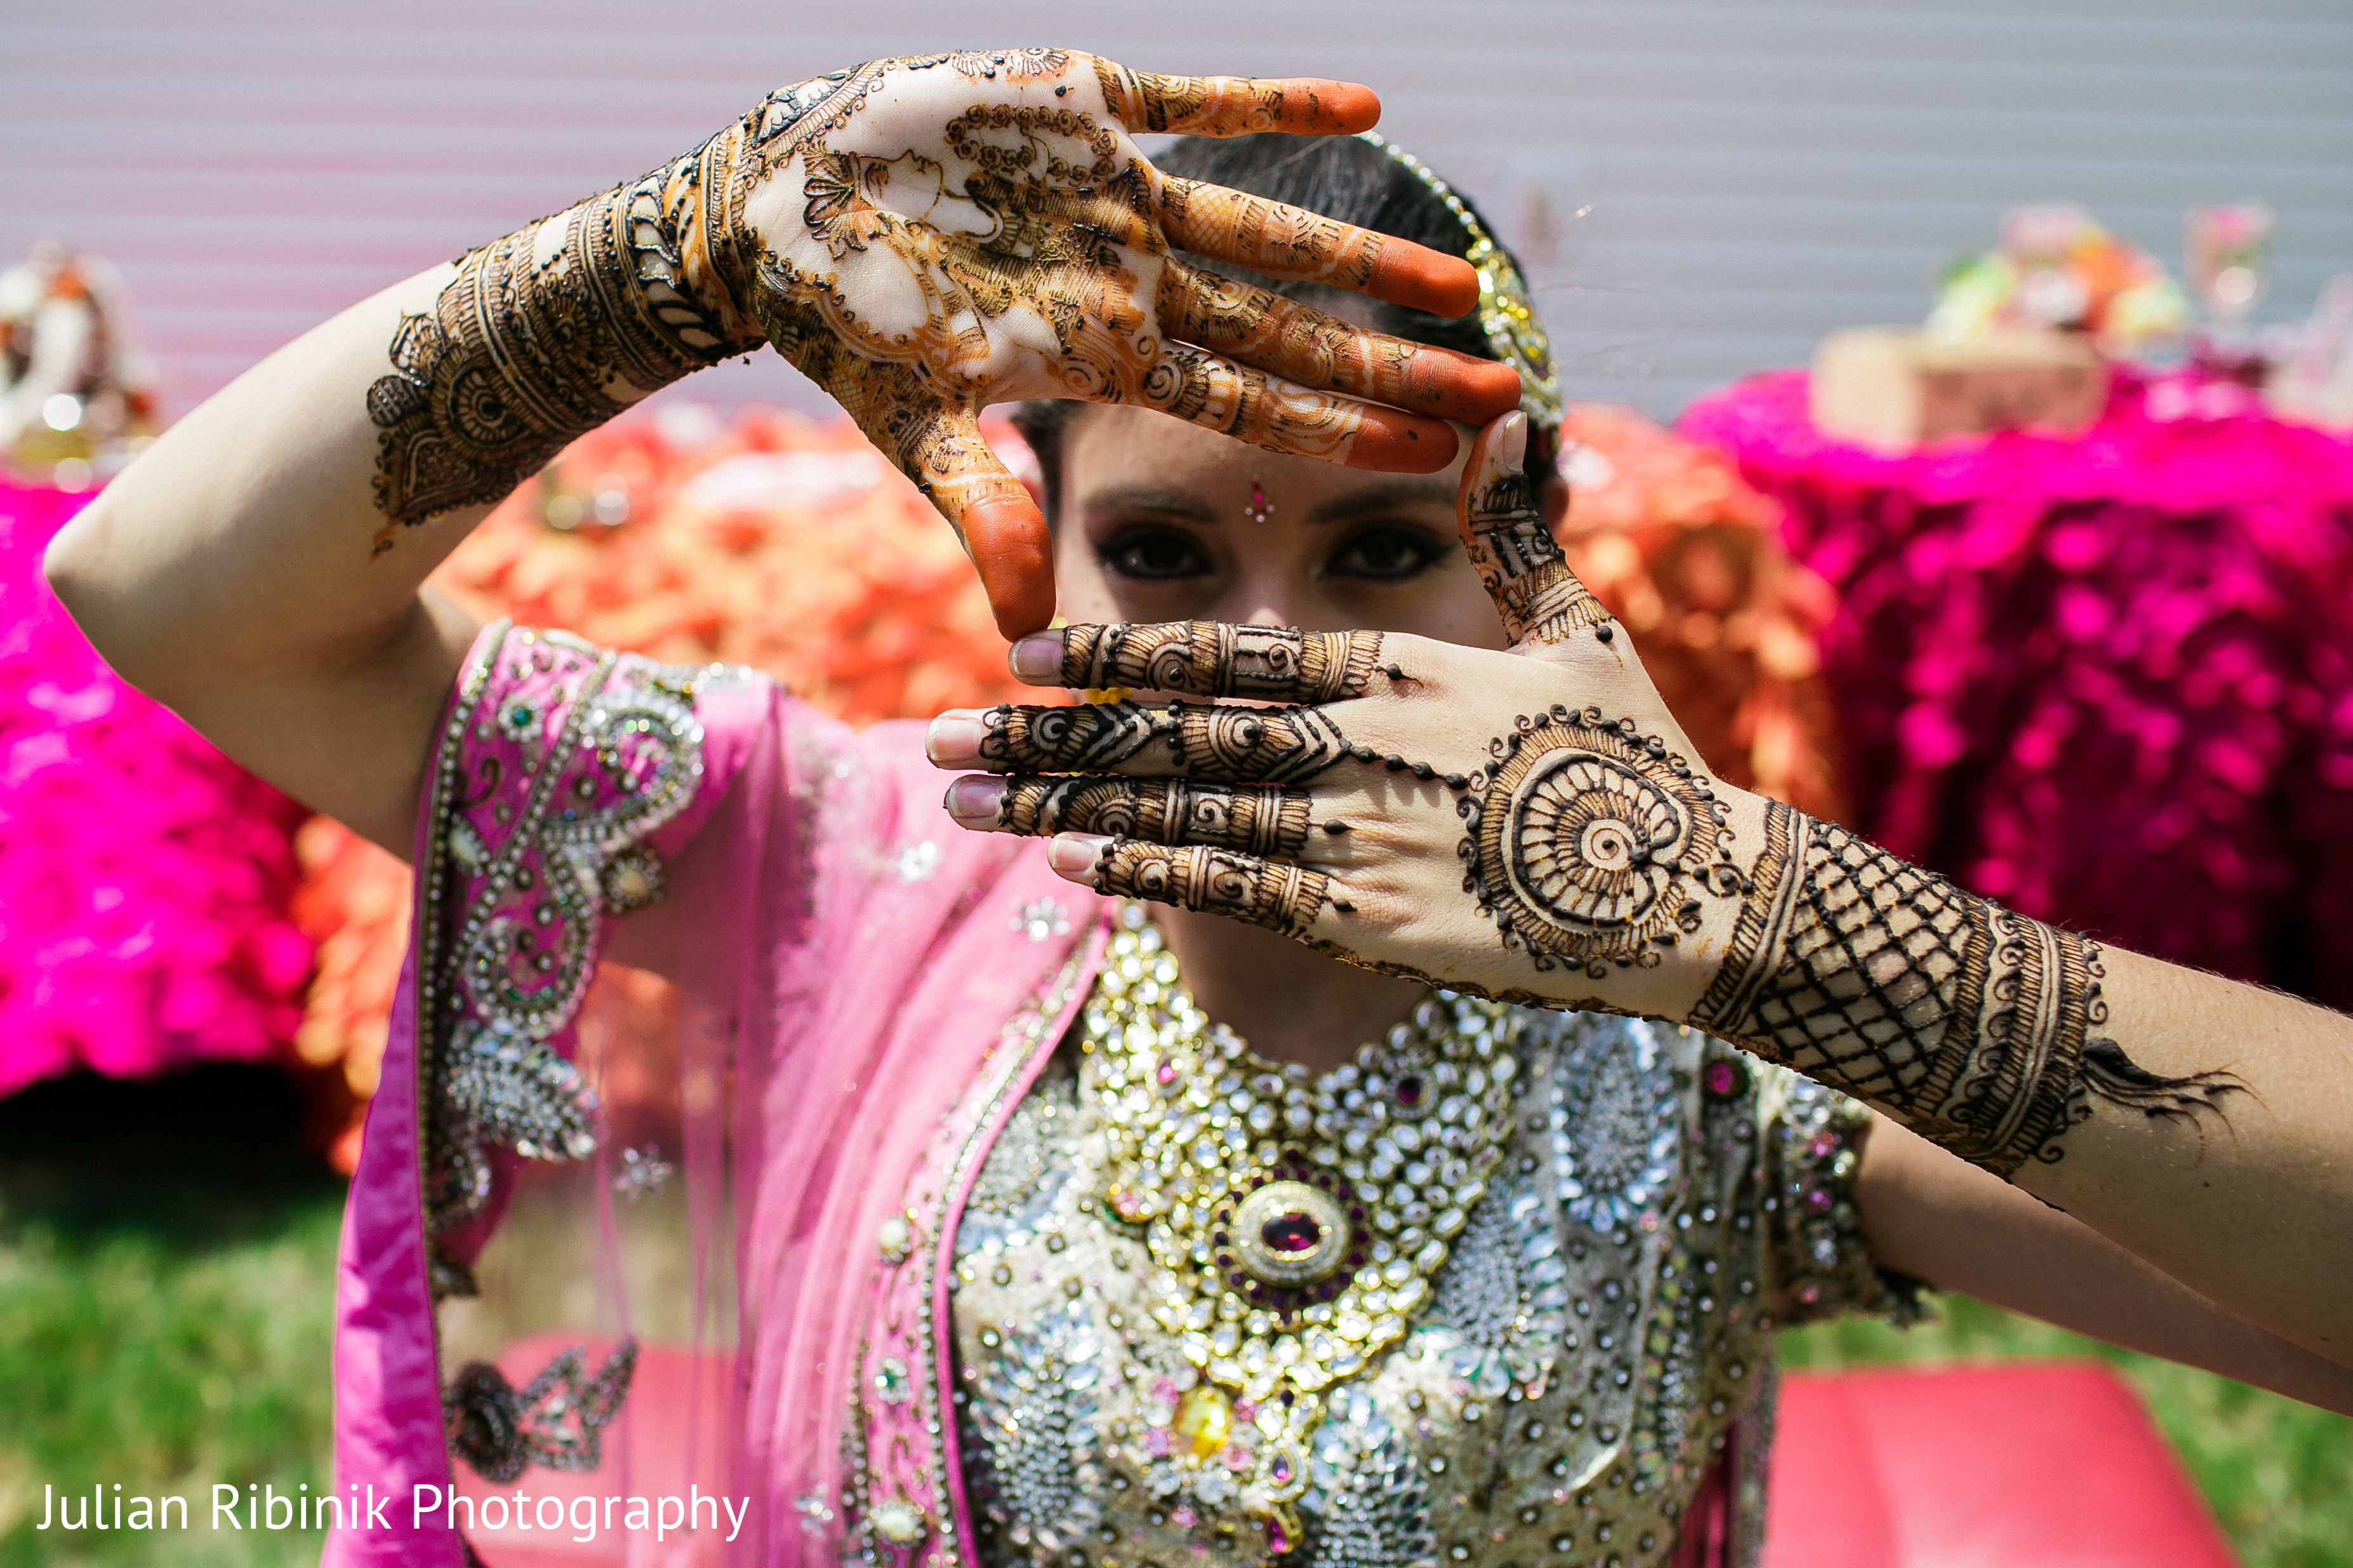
(1338, 177)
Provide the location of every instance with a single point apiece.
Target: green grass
(166, 1278)
(166, 1270)
(2277, 1473)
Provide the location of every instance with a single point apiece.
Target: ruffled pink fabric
(2105, 680)
(143, 876)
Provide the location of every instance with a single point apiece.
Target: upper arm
(236, 574)
(346, 731)
(1932, 1215)
(347, 737)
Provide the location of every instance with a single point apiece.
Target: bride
(1068, 1203)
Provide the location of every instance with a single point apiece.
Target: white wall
(1758, 171)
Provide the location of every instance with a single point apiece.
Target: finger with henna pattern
(993, 512)
(1256, 819)
(1235, 105)
(1183, 740)
(1275, 894)
(1278, 415)
(1284, 241)
(1265, 331)
(1518, 561)
(1204, 658)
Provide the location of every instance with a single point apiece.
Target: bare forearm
(1931, 1217)
(231, 573)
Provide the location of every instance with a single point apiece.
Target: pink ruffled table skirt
(2107, 679)
(143, 876)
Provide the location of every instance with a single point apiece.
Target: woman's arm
(231, 573)
(1940, 1220)
(922, 238)
(1535, 826)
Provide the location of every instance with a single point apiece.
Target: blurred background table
(2106, 678)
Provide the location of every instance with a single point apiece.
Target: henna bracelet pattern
(1975, 1025)
(522, 352)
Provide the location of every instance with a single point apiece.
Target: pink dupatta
(865, 990)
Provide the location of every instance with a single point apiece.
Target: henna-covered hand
(924, 238)
(1533, 825)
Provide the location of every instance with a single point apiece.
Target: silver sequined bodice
(1599, 1339)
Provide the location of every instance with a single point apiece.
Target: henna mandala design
(1522, 565)
(1972, 1023)
(1584, 840)
(1160, 811)
(1277, 895)
(1229, 745)
(1211, 659)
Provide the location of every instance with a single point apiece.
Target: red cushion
(2041, 1466)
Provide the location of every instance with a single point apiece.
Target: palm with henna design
(1534, 824)
(927, 236)
(924, 238)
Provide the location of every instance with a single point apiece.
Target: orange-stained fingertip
(1009, 544)
(1318, 106)
(1423, 279)
(1461, 387)
(1394, 443)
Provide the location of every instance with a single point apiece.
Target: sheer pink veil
(853, 974)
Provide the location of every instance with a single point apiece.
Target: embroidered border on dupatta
(606, 749)
(899, 1444)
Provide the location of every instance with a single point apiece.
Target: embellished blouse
(935, 1343)
(1589, 1379)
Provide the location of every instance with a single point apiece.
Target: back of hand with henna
(923, 237)
(1532, 825)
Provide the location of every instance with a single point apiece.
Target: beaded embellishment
(543, 807)
(1296, 1226)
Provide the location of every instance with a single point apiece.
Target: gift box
(1893, 388)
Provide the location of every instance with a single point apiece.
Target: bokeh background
(1700, 191)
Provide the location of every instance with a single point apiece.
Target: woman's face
(1157, 524)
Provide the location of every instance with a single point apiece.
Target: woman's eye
(1383, 553)
(1154, 552)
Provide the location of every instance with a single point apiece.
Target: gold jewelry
(1512, 327)
(1295, 1224)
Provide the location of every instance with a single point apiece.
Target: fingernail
(1039, 659)
(954, 739)
(976, 799)
(1074, 855)
(1515, 442)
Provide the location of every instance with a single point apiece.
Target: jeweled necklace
(1295, 1224)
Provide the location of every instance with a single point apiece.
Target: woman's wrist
(542, 336)
(1981, 1029)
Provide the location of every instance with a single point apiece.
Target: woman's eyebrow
(1158, 498)
(1387, 496)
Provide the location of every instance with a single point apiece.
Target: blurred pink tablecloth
(143, 876)
(2108, 679)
